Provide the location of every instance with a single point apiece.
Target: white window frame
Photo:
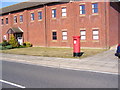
(32, 16)
(83, 34)
(81, 10)
(64, 35)
(93, 8)
(53, 13)
(15, 19)
(21, 18)
(95, 34)
(40, 15)
(64, 12)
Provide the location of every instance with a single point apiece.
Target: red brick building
(53, 24)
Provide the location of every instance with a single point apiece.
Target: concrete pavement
(104, 62)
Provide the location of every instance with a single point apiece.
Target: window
(2, 21)
(95, 8)
(6, 20)
(64, 35)
(39, 15)
(64, 14)
(15, 19)
(53, 13)
(83, 34)
(21, 18)
(82, 9)
(54, 35)
(95, 34)
(32, 16)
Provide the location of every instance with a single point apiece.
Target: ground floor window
(64, 35)
(95, 34)
(83, 34)
(54, 35)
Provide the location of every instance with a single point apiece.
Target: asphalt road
(32, 76)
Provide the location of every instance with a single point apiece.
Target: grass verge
(52, 52)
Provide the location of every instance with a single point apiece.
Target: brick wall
(39, 32)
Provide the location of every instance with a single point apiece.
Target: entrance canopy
(14, 30)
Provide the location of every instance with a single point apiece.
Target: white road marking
(10, 83)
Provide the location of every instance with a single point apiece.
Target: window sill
(95, 41)
(21, 22)
(64, 41)
(82, 15)
(53, 18)
(64, 17)
(40, 20)
(94, 14)
(83, 41)
(54, 40)
(32, 21)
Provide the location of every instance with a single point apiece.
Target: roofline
(41, 3)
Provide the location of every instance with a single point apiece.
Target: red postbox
(76, 46)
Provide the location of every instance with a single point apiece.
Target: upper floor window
(15, 19)
(53, 13)
(64, 35)
(6, 20)
(32, 16)
(95, 34)
(54, 35)
(21, 18)
(39, 15)
(83, 34)
(2, 21)
(94, 7)
(64, 14)
(82, 9)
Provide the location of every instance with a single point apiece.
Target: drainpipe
(45, 26)
(106, 33)
(27, 25)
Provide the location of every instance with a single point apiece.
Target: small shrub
(13, 42)
(22, 46)
(5, 43)
(27, 44)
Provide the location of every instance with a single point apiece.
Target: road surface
(19, 75)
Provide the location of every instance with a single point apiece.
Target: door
(19, 38)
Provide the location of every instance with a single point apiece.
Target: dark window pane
(2, 21)
(39, 15)
(54, 13)
(83, 11)
(54, 33)
(83, 6)
(95, 10)
(95, 5)
(6, 20)
(54, 38)
(21, 18)
(32, 16)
